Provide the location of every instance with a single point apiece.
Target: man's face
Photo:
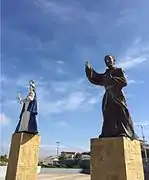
(109, 61)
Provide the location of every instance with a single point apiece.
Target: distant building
(50, 160)
(85, 157)
(55, 161)
(68, 155)
(145, 150)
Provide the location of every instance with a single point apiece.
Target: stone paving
(44, 176)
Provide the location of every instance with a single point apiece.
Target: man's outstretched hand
(87, 64)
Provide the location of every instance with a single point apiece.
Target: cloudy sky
(49, 41)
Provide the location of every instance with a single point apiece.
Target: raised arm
(20, 98)
(30, 96)
(94, 77)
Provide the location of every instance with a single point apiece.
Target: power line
(142, 131)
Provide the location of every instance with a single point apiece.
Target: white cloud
(2, 79)
(48, 150)
(67, 11)
(97, 98)
(93, 100)
(63, 86)
(4, 120)
(131, 62)
(55, 67)
(75, 100)
(137, 41)
(64, 12)
(23, 81)
(127, 16)
(75, 95)
(132, 81)
(61, 71)
(60, 62)
(54, 97)
(51, 146)
(62, 124)
(70, 102)
(136, 54)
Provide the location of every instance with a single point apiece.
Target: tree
(62, 157)
(40, 163)
(77, 156)
(77, 159)
(86, 153)
(4, 158)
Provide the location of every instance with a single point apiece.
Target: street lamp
(143, 138)
(57, 149)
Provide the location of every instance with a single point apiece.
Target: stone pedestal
(116, 159)
(23, 157)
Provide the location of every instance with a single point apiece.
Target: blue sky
(49, 41)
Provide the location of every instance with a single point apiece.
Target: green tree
(3, 159)
(77, 159)
(62, 157)
(86, 153)
(77, 156)
(40, 163)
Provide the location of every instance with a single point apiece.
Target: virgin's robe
(117, 120)
(27, 122)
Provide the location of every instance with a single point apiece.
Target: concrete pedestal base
(23, 157)
(116, 159)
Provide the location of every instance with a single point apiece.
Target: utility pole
(1, 135)
(57, 149)
(143, 138)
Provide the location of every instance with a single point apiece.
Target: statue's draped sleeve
(94, 77)
(31, 96)
(118, 79)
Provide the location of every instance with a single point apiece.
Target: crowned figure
(27, 122)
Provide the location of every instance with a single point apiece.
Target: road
(44, 176)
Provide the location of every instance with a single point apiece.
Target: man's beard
(110, 65)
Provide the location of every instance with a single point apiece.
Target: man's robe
(117, 120)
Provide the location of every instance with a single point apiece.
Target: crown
(32, 83)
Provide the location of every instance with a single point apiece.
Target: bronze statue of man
(116, 117)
